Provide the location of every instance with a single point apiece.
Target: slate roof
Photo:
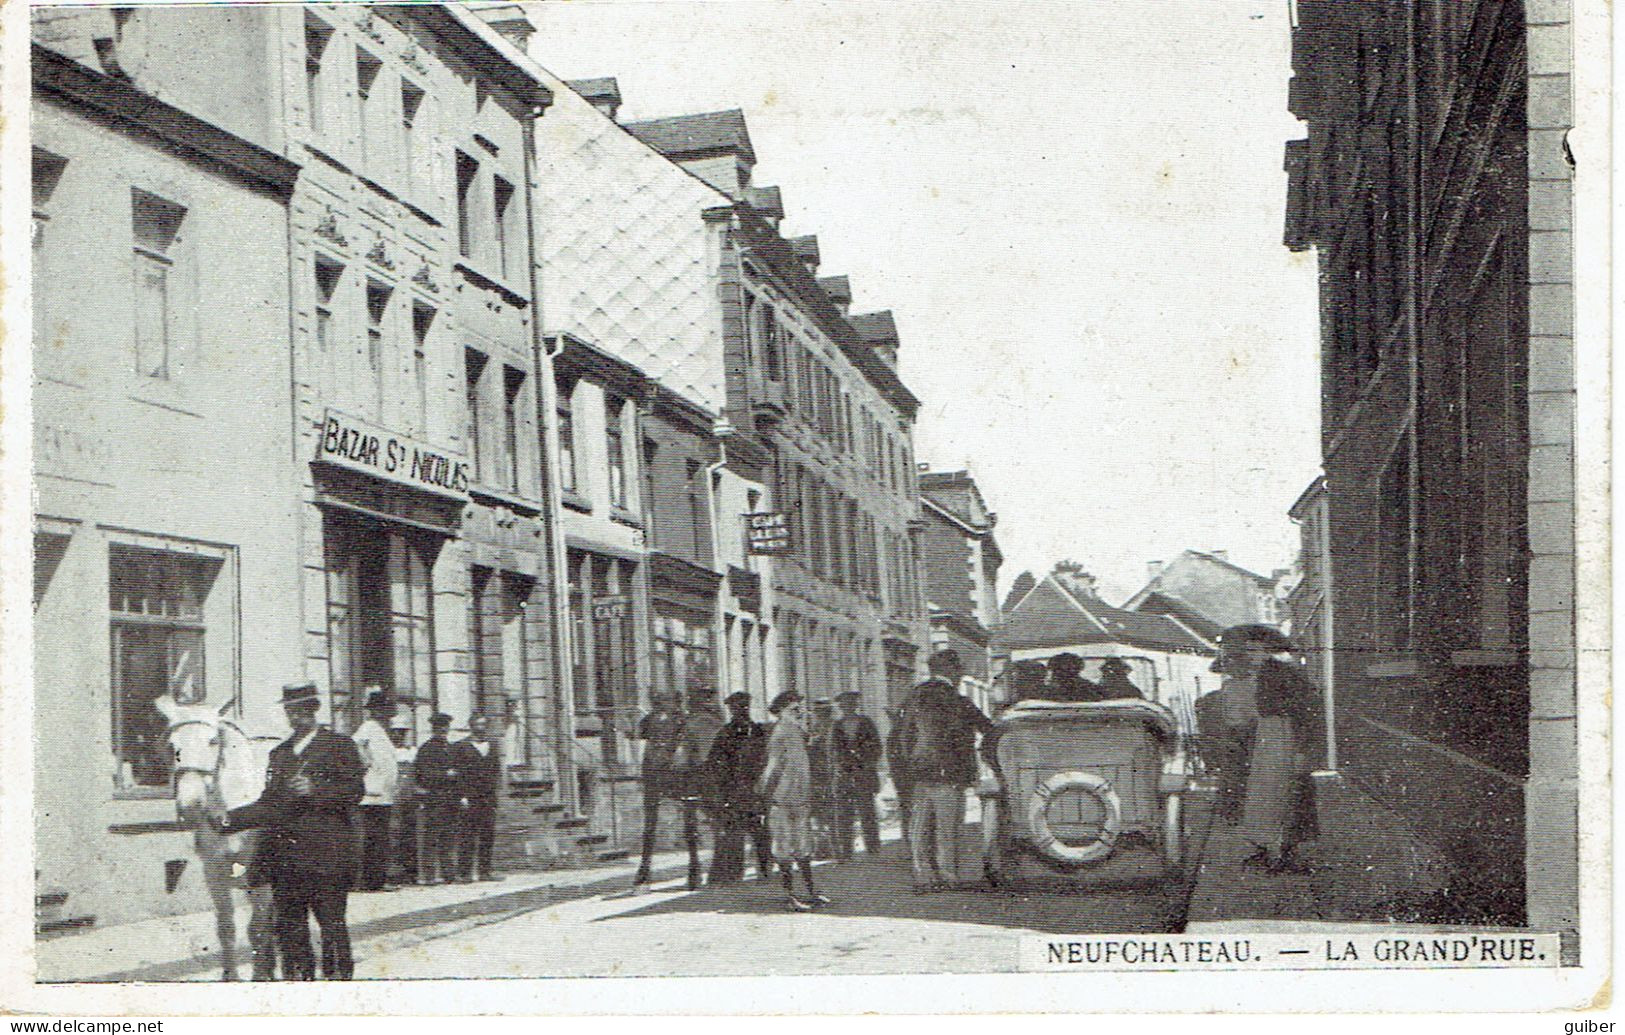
(806, 247)
(769, 202)
(603, 88)
(838, 288)
(1168, 604)
(682, 135)
(875, 326)
(1049, 616)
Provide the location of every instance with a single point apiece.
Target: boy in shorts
(786, 784)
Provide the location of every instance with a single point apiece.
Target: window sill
(1400, 668)
(621, 515)
(476, 273)
(505, 498)
(163, 393)
(575, 501)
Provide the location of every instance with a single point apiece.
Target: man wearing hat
(786, 783)
(381, 779)
(738, 754)
(435, 771)
(821, 757)
(855, 745)
(313, 782)
(1114, 680)
(479, 779)
(664, 762)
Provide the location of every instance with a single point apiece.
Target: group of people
(326, 812)
(1062, 680)
(1258, 736)
(773, 788)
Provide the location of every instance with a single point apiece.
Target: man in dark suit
(737, 756)
(855, 747)
(436, 776)
(479, 775)
(313, 784)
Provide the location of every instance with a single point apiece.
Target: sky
(1074, 210)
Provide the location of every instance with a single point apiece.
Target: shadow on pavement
(882, 887)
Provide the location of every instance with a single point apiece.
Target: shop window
(158, 625)
(567, 435)
(317, 36)
(155, 227)
(615, 449)
(380, 618)
(513, 387)
(684, 654)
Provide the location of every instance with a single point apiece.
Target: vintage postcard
(928, 506)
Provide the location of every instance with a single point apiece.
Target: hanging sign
(355, 444)
(768, 532)
(609, 609)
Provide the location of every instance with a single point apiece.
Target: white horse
(219, 767)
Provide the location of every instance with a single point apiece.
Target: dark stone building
(1432, 183)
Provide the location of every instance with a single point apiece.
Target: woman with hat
(1264, 685)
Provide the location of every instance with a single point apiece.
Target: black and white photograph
(1090, 494)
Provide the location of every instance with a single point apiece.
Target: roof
(762, 239)
(1156, 603)
(806, 248)
(709, 132)
(1315, 491)
(1051, 616)
(187, 134)
(1260, 579)
(603, 88)
(876, 327)
(838, 288)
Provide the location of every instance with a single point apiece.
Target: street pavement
(875, 925)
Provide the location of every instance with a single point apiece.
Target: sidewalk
(1366, 867)
(175, 948)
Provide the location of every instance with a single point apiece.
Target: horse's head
(195, 738)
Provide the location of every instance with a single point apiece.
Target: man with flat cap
(738, 754)
(855, 747)
(1114, 680)
(1066, 682)
(435, 770)
(313, 783)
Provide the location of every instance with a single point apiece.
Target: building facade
(367, 363)
(165, 530)
(1209, 584)
(1434, 186)
(961, 560)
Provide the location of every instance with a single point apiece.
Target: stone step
(552, 808)
(570, 823)
(589, 840)
(613, 854)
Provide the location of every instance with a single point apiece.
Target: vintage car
(1087, 793)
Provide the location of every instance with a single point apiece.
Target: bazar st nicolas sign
(355, 444)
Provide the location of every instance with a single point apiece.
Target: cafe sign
(768, 532)
(357, 445)
(611, 609)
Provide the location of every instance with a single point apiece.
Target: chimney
(508, 19)
(1153, 570)
(603, 93)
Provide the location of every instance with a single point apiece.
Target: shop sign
(359, 446)
(611, 609)
(768, 532)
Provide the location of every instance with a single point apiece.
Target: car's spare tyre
(1044, 839)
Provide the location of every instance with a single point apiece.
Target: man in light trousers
(938, 747)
